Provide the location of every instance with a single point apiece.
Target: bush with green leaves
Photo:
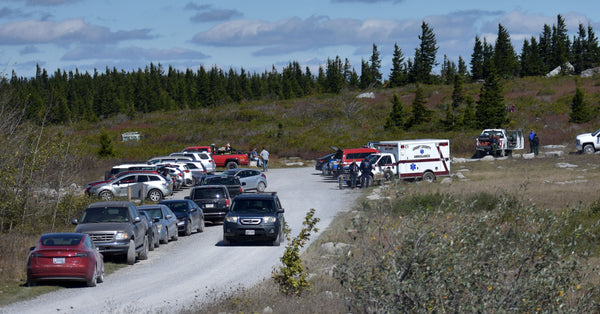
(292, 278)
(462, 257)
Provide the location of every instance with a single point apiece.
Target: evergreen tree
(424, 60)
(592, 58)
(505, 58)
(395, 120)
(458, 98)
(469, 118)
(462, 68)
(106, 146)
(488, 59)
(545, 45)
(580, 113)
(397, 75)
(366, 78)
(477, 72)
(560, 43)
(375, 67)
(531, 60)
(420, 114)
(490, 110)
(448, 72)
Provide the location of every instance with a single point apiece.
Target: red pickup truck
(229, 159)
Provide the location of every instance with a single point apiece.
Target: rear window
(60, 240)
(209, 193)
(222, 180)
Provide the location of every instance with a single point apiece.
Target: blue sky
(258, 34)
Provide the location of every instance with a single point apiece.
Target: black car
(213, 199)
(254, 217)
(190, 216)
(232, 183)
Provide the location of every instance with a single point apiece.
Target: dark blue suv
(254, 217)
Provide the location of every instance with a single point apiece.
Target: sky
(257, 35)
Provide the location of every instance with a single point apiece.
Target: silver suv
(143, 185)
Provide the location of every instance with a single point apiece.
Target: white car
(203, 157)
(188, 178)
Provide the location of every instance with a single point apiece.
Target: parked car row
(110, 228)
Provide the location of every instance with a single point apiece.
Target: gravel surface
(197, 268)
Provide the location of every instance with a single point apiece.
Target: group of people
(365, 169)
(261, 159)
(534, 143)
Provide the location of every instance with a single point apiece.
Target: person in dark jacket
(366, 169)
(536, 144)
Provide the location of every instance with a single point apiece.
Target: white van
(127, 167)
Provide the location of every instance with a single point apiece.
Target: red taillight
(227, 202)
(264, 176)
(186, 171)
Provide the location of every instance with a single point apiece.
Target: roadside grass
(512, 235)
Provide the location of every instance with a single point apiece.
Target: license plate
(209, 205)
(250, 232)
(58, 260)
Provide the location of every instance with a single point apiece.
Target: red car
(65, 256)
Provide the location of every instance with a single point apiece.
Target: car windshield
(153, 212)
(252, 206)
(61, 239)
(210, 193)
(178, 207)
(108, 214)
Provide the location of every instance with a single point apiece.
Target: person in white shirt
(264, 154)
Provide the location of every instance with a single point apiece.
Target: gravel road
(197, 268)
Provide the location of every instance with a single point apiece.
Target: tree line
(65, 97)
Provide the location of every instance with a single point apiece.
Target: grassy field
(521, 194)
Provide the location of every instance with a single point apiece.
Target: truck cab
(588, 143)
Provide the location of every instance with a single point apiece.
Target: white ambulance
(411, 159)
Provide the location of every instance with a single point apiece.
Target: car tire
(166, 239)
(175, 236)
(261, 187)
(131, 253)
(155, 195)
(144, 253)
(231, 165)
(428, 176)
(92, 282)
(277, 241)
(188, 228)
(589, 149)
(100, 278)
(201, 225)
(150, 243)
(106, 195)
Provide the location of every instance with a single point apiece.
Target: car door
(250, 177)
(121, 186)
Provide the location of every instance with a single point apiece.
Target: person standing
(264, 154)
(531, 136)
(536, 144)
(365, 169)
(353, 173)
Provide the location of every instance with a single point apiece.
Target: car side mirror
(169, 216)
(192, 210)
(137, 219)
(243, 183)
(280, 211)
(156, 219)
(32, 248)
(74, 221)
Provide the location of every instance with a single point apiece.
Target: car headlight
(270, 219)
(233, 219)
(122, 236)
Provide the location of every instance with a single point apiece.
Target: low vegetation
(45, 167)
(464, 246)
